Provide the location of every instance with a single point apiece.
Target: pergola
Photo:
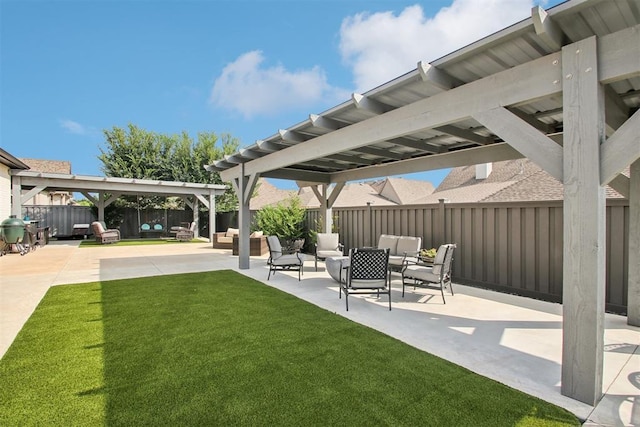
(561, 88)
(109, 189)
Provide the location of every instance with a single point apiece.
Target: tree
(138, 153)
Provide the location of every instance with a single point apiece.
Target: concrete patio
(514, 340)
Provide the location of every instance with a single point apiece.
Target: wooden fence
(514, 248)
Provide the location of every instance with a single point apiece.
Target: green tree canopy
(142, 154)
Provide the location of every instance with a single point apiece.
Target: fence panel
(59, 219)
(515, 248)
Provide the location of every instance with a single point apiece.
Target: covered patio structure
(108, 189)
(561, 88)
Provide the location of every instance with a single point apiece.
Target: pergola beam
(524, 138)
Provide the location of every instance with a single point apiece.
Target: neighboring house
(48, 198)
(7, 162)
(267, 194)
(385, 192)
(506, 181)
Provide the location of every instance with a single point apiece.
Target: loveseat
(224, 240)
(399, 247)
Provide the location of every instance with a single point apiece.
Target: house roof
(48, 166)
(268, 194)
(509, 181)
(10, 161)
(405, 191)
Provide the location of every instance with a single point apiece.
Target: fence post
(442, 234)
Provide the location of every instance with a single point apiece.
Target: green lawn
(218, 348)
(136, 242)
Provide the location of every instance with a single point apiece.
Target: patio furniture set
(368, 270)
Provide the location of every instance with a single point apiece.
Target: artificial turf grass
(136, 242)
(218, 348)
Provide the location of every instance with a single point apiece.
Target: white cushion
(232, 232)
(421, 272)
(408, 244)
(256, 234)
(388, 241)
(327, 241)
(326, 254)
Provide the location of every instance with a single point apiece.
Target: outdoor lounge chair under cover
(438, 275)
(327, 245)
(368, 271)
(281, 261)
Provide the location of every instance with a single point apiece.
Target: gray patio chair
(281, 261)
(368, 271)
(327, 245)
(437, 275)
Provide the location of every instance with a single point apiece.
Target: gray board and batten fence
(510, 247)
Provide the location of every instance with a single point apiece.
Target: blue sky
(70, 69)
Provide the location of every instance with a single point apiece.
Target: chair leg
(442, 291)
(316, 259)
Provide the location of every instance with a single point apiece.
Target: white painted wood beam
(533, 121)
(418, 145)
(32, 193)
(622, 185)
(202, 199)
(548, 31)
(524, 138)
(621, 149)
(633, 284)
(380, 153)
(90, 197)
(618, 55)
(616, 111)
(584, 219)
(436, 77)
(465, 134)
(267, 146)
(484, 154)
(212, 216)
(297, 174)
(112, 198)
(324, 122)
(365, 103)
(291, 136)
(16, 190)
(508, 87)
(335, 192)
(248, 153)
(536, 79)
(246, 184)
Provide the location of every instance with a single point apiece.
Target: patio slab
(514, 340)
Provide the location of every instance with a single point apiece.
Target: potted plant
(428, 255)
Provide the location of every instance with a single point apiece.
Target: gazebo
(108, 189)
(561, 88)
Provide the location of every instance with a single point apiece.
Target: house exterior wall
(5, 192)
(510, 247)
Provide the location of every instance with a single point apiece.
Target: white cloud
(381, 46)
(73, 127)
(251, 89)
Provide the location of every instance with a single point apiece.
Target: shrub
(285, 220)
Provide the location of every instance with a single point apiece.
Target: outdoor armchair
(281, 261)
(368, 271)
(104, 235)
(438, 274)
(185, 234)
(327, 245)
